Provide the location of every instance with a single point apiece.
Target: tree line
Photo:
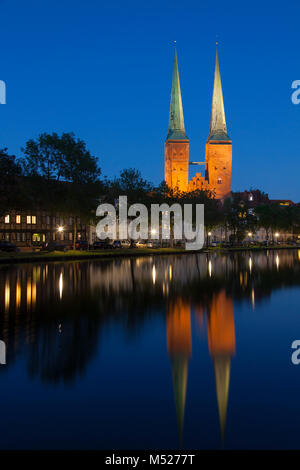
(57, 173)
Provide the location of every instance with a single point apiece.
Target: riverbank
(37, 256)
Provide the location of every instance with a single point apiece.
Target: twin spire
(218, 129)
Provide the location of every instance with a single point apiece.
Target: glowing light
(250, 264)
(170, 272)
(277, 261)
(154, 274)
(209, 234)
(209, 268)
(18, 294)
(28, 293)
(250, 234)
(60, 229)
(299, 254)
(153, 231)
(6, 296)
(253, 298)
(276, 234)
(60, 285)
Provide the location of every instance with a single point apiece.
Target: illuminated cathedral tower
(177, 142)
(218, 154)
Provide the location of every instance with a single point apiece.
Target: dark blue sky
(103, 70)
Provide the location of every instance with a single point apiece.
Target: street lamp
(60, 229)
(277, 235)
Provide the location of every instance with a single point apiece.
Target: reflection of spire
(222, 377)
(179, 366)
(221, 340)
(179, 348)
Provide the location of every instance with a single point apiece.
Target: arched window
(219, 180)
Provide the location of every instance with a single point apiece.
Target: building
(29, 228)
(218, 151)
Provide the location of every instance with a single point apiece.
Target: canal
(165, 352)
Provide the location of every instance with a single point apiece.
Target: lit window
(18, 219)
(33, 219)
(250, 197)
(6, 219)
(28, 219)
(219, 180)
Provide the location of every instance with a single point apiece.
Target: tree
(64, 174)
(11, 187)
(60, 158)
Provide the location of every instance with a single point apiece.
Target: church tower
(177, 142)
(218, 154)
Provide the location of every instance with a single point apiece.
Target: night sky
(103, 71)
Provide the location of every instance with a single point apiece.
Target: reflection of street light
(208, 235)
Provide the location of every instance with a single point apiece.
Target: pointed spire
(218, 129)
(176, 121)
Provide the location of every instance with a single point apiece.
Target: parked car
(116, 244)
(8, 247)
(132, 244)
(81, 245)
(141, 244)
(101, 245)
(125, 243)
(54, 246)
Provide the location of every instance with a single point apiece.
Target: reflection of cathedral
(179, 340)
(221, 341)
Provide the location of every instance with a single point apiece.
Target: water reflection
(54, 315)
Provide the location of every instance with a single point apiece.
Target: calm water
(188, 351)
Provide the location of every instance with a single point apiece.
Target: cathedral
(218, 150)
